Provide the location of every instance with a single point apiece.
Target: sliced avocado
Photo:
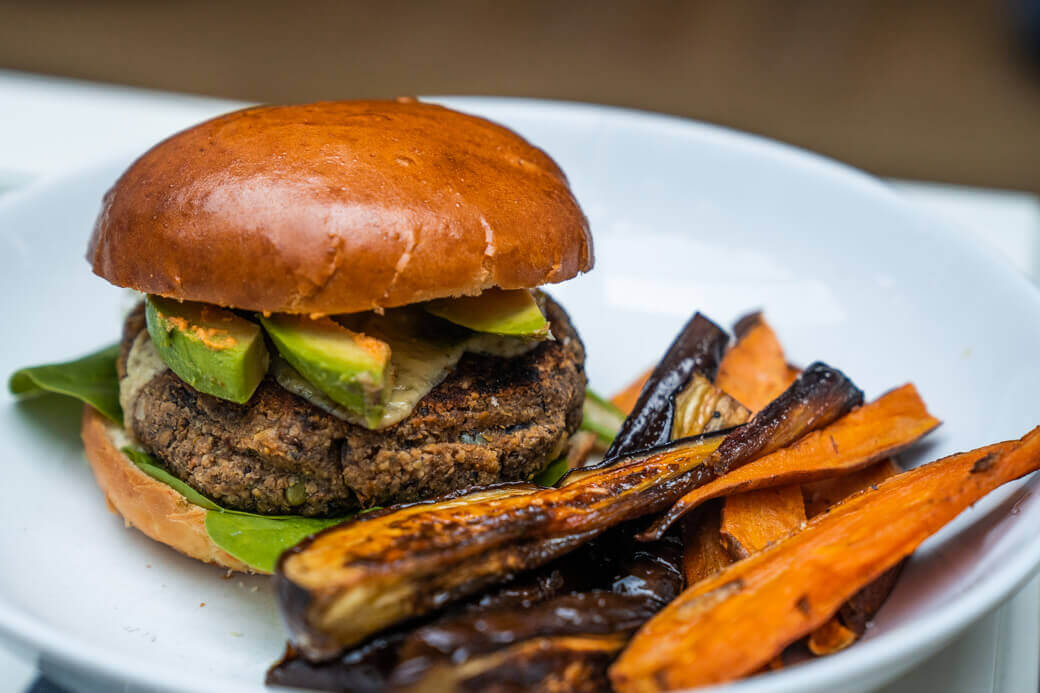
(210, 348)
(498, 311)
(351, 368)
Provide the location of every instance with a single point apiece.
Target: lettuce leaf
(147, 464)
(91, 379)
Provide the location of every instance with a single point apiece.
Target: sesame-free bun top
(339, 207)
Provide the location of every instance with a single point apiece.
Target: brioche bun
(144, 503)
(339, 207)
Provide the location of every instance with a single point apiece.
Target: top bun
(339, 207)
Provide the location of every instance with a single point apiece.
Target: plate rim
(925, 635)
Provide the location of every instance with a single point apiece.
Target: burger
(340, 310)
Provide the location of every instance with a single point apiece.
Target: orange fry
(754, 371)
(751, 521)
(873, 432)
(736, 622)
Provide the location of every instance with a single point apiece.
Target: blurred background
(941, 90)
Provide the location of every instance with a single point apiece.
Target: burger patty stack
(340, 310)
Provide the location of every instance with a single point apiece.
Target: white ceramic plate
(685, 216)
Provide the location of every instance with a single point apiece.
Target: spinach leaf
(553, 473)
(258, 540)
(147, 464)
(91, 379)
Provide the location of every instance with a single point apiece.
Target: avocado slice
(498, 311)
(351, 368)
(210, 348)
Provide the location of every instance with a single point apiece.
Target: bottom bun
(145, 503)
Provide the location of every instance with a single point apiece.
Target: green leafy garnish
(147, 464)
(91, 379)
(257, 540)
(552, 473)
(600, 416)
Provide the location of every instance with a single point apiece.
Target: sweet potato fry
(751, 521)
(627, 398)
(754, 371)
(845, 627)
(703, 554)
(736, 622)
(831, 637)
(820, 495)
(872, 432)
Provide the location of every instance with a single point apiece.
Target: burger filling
(351, 411)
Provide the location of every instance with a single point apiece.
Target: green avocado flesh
(498, 311)
(351, 368)
(210, 348)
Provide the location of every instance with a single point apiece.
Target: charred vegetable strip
(818, 397)
(559, 663)
(697, 348)
(736, 622)
(870, 433)
(704, 408)
(628, 583)
(350, 581)
(353, 580)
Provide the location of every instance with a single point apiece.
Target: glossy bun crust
(339, 207)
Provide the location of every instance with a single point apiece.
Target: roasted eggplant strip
(820, 396)
(575, 664)
(697, 349)
(736, 622)
(348, 582)
(368, 667)
(611, 585)
(363, 669)
(646, 577)
(640, 583)
(704, 408)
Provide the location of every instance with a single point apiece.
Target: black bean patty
(492, 419)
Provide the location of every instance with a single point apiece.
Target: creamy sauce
(142, 364)
(417, 366)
